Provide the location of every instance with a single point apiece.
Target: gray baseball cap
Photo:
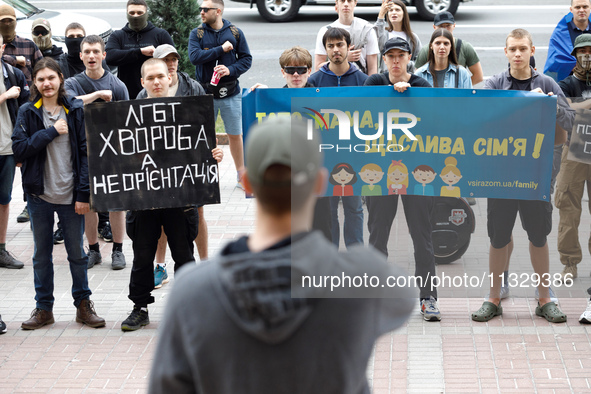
(164, 50)
(282, 140)
(584, 40)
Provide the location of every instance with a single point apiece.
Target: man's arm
(372, 64)
(12, 93)
(9, 59)
(23, 98)
(477, 74)
(422, 57)
(560, 135)
(74, 89)
(472, 61)
(197, 55)
(244, 61)
(106, 95)
(118, 56)
(319, 61)
(320, 52)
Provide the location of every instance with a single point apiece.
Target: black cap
(396, 43)
(444, 17)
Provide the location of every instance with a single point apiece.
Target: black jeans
(417, 209)
(144, 229)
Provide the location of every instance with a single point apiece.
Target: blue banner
(425, 141)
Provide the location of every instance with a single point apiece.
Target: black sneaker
(105, 233)
(136, 320)
(58, 236)
(2, 326)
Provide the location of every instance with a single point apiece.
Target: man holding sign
(144, 227)
(181, 85)
(536, 216)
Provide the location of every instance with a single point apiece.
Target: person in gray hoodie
(255, 319)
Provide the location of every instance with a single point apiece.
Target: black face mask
(73, 45)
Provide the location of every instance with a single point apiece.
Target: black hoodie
(235, 324)
(124, 51)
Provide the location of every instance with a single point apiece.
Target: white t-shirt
(371, 48)
(401, 34)
(5, 122)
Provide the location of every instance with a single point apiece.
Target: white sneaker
(553, 297)
(430, 309)
(586, 316)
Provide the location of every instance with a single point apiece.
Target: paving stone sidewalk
(518, 352)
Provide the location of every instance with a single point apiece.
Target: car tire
(427, 9)
(279, 10)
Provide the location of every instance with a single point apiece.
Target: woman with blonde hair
(397, 178)
(451, 175)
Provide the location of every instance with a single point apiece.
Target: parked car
(26, 13)
(287, 10)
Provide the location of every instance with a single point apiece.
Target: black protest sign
(580, 140)
(152, 153)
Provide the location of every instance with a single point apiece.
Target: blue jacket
(454, 73)
(326, 78)
(30, 139)
(560, 62)
(205, 51)
(14, 104)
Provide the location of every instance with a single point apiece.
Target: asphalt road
(483, 23)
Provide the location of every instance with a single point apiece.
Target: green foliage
(178, 18)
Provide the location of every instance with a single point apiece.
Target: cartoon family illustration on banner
(343, 176)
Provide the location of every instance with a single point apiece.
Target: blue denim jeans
(41, 213)
(230, 109)
(353, 226)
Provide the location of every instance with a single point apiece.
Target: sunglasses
(41, 31)
(292, 70)
(206, 9)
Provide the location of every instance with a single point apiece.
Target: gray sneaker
(94, 258)
(117, 260)
(7, 261)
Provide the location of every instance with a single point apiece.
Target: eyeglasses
(292, 70)
(206, 9)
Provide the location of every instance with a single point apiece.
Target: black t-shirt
(384, 79)
(520, 84)
(572, 87)
(307, 85)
